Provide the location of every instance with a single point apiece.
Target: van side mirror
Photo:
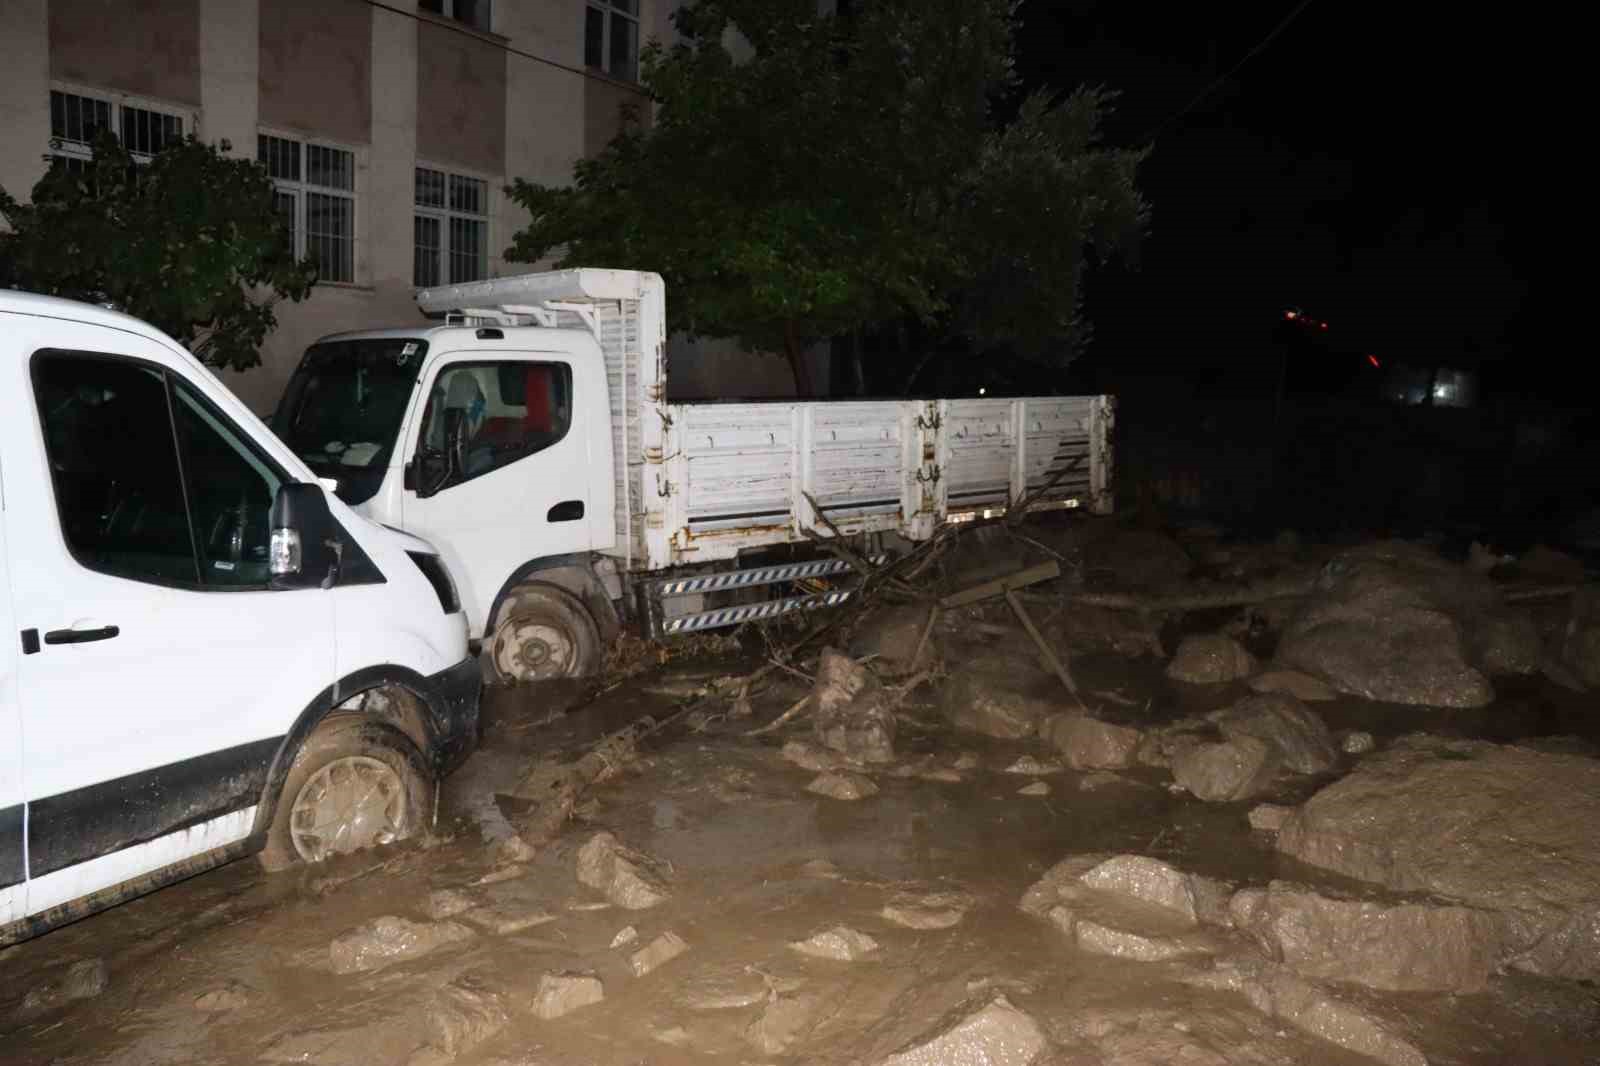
(304, 548)
(436, 469)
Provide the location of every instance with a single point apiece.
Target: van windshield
(342, 409)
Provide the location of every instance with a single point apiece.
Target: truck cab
(208, 655)
(492, 442)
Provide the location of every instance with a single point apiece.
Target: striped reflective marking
(760, 575)
(732, 616)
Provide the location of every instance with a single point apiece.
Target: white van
(209, 655)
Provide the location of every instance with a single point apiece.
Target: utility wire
(1248, 56)
(478, 35)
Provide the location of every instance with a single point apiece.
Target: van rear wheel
(355, 784)
(543, 632)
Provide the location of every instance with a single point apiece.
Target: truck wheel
(543, 632)
(355, 784)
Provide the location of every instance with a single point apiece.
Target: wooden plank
(1002, 585)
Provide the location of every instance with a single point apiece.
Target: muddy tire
(543, 632)
(354, 784)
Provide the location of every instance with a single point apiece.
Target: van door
(13, 871)
(157, 672)
(517, 488)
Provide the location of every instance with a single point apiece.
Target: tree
(190, 242)
(849, 172)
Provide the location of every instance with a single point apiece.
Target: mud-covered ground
(233, 966)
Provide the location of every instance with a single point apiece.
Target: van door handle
(565, 511)
(80, 636)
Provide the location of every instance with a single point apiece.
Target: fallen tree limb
(1198, 601)
(1044, 647)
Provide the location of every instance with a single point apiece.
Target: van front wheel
(355, 784)
(543, 632)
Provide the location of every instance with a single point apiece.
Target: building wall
(395, 86)
(145, 47)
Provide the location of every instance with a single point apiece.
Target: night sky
(1378, 165)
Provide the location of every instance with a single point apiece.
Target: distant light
(1323, 325)
(982, 392)
(1374, 360)
(1291, 315)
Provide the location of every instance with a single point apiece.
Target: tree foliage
(190, 242)
(805, 176)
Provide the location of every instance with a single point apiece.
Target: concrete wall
(316, 68)
(24, 94)
(461, 99)
(605, 105)
(145, 47)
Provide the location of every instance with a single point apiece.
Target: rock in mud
(562, 993)
(1580, 644)
(1089, 743)
(1396, 945)
(1301, 686)
(841, 943)
(1162, 745)
(1098, 938)
(893, 635)
(626, 877)
(387, 940)
(1038, 788)
(1520, 826)
(729, 989)
(813, 757)
(447, 903)
(1283, 722)
(1232, 770)
(1313, 1009)
(1031, 766)
(84, 979)
(503, 919)
(625, 936)
(1387, 622)
(991, 703)
(1210, 659)
(851, 714)
(782, 1024)
(465, 1013)
(1138, 558)
(660, 951)
(1130, 906)
(1357, 742)
(843, 786)
(997, 1034)
(234, 995)
(939, 910)
(1507, 644)
(1269, 816)
(1145, 879)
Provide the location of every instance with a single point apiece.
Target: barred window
(451, 228)
(316, 195)
(77, 118)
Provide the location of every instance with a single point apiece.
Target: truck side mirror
(304, 548)
(436, 469)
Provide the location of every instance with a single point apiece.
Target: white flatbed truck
(529, 437)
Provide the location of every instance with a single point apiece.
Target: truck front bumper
(453, 696)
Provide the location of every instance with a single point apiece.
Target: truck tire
(543, 632)
(354, 784)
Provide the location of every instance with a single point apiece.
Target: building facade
(390, 127)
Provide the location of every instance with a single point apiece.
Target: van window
(152, 485)
(119, 489)
(231, 489)
(509, 411)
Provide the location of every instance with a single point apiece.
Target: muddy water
(735, 828)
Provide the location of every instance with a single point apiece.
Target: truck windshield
(341, 412)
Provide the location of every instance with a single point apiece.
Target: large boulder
(1230, 770)
(1408, 944)
(1091, 744)
(1395, 622)
(994, 705)
(628, 878)
(1500, 828)
(998, 1034)
(1580, 645)
(851, 714)
(1280, 720)
(1210, 659)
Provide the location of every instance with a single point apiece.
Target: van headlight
(438, 576)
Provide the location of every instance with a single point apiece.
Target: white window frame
(299, 188)
(445, 213)
(448, 10)
(118, 102)
(608, 10)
